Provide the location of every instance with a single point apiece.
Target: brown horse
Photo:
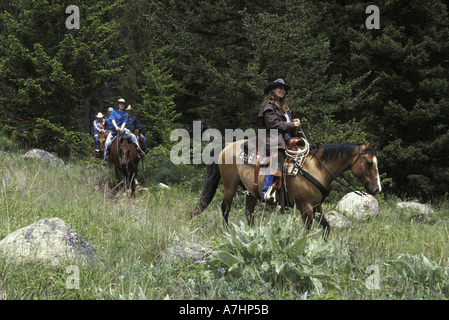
(124, 157)
(324, 164)
(101, 141)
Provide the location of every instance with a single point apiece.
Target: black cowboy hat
(277, 83)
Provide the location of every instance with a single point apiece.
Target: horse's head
(365, 168)
(124, 151)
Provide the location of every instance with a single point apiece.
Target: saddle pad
(250, 159)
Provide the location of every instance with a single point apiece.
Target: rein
(119, 134)
(348, 185)
(118, 146)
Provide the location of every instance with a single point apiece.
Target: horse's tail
(209, 189)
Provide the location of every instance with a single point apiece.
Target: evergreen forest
(177, 62)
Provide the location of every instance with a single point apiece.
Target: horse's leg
(249, 209)
(119, 174)
(307, 215)
(133, 183)
(231, 179)
(323, 221)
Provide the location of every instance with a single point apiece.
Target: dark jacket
(273, 118)
(133, 124)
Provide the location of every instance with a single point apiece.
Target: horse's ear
(372, 145)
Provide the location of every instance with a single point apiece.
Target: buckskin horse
(125, 158)
(323, 164)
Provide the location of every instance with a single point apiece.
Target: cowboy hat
(277, 83)
(129, 108)
(121, 101)
(99, 115)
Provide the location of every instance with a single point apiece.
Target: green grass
(131, 235)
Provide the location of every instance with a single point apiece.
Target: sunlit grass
(130, 236)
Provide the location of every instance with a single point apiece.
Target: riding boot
(106, 158)
(269, 189)
(140, 151)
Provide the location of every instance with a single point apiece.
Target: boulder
(48, 241)
(337, 220)
(43, 155)
(415, 207)
(359, 206)
(183, 250)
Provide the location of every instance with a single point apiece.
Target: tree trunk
(87, 125)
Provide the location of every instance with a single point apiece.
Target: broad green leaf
(228, 259)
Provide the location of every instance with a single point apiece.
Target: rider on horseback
(134, 124)
(99, 127)
(118, 119)
(275, 114)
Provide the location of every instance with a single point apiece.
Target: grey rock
(183, 250)
(48, 241)
(337, 220)
(43, 155)
(422, 217)
(359, 207)
(163, 186)
(416, 207)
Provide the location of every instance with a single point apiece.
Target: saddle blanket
(290, 167)
(251, 159)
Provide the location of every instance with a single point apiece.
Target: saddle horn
(296, 142)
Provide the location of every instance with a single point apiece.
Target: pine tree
(48, 70)
(405, 64)
(157, 112)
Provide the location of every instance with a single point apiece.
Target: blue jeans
(96, 142)
(268, 182)
(144, 141)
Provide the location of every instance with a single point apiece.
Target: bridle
(361, 152)
(348, 185)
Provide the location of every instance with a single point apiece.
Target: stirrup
(139, 150)
(141, 153)
(270, 196)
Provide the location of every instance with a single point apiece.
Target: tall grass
(131, 236)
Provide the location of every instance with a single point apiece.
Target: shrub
(159, 168)
(277, 252)
(54, 138)
(421, 275)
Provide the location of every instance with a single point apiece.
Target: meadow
(391, 257)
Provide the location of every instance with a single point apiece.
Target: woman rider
(275, 114)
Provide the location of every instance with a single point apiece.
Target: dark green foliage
(180, 61)
(48, 71)
(54, 138)
(407, 63)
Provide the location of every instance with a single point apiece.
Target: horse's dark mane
(334, 151)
